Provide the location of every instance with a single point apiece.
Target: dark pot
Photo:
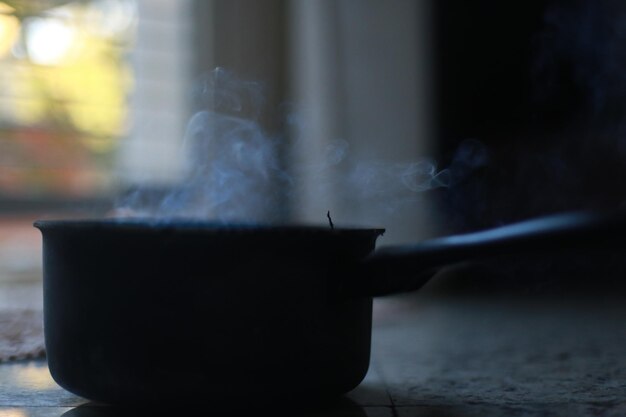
(140, 310)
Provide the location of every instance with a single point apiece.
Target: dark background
(538, 88)
(530, 105)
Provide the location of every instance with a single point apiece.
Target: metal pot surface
(136, 310)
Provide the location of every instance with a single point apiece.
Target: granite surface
(435, 355)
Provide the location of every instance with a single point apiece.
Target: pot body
(136, 312)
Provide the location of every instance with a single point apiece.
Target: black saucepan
(142, 310)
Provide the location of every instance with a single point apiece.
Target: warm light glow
(9, 29)
(48, 40)
(64, 93)
(12, 412)
(6, 9)
(33, 376)
(78, 71)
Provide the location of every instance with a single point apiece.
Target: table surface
(435, 355)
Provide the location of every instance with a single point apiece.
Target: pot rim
(189, 224)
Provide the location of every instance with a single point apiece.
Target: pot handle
(397, 269)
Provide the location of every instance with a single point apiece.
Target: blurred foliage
(63, 93)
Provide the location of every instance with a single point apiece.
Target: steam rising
(234, 171)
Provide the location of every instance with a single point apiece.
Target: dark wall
(483, 53)
(540, 89)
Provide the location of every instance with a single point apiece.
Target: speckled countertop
(435, 355)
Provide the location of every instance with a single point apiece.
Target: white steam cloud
(234, 171)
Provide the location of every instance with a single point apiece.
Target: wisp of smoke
(232, 167)
(234, 173)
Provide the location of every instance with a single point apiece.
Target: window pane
(63, 95)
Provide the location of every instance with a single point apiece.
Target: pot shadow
(444, 406)
(343, 407)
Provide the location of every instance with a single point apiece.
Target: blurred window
(92, 99)
(63, 106)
